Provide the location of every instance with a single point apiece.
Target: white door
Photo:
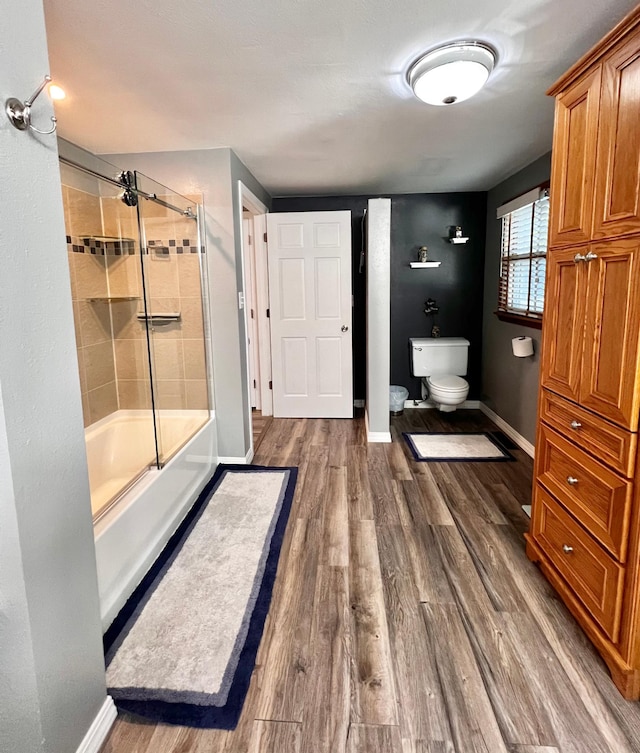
(310, 301)
(251, 310)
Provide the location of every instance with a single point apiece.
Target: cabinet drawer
(599, 498)
(591, 573)
(607, 442)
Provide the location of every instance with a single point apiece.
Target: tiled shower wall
(111, 340)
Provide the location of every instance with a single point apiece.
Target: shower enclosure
(136, 255)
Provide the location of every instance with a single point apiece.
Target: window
(525, 222)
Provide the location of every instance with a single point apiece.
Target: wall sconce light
(19, 113)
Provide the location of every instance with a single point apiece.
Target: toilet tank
(432, 356)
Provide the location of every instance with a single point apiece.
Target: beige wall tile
(94, 322)
(196, 394)
(71, 258)
(76, 322)
(134, 394)
(189, 275)
(168, 359)
(103, 401)
(126, 325)
(191, 310)
(91, 275)
(123, 274)
(170, 394)
(85, 216)
(161, 276)
(194, 362)
(86, 413)
(81, 370)
(168, 330)
(131, 359)
(99, 365)
(119, 220)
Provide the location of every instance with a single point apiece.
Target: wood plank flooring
(406, 617)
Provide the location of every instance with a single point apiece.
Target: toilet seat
(448, 383)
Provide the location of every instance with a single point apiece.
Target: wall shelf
(458, 240)
(114, 299)
(424, 264)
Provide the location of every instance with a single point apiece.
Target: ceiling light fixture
(451, 73)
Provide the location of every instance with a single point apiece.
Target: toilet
(441, 362)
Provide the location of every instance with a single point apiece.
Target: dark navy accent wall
(457, 285)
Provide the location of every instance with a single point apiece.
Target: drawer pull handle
(567, 549)
(579, 257)
(575, 424)
(572, 480)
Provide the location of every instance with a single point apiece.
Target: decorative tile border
(89, 245)
(126, 246)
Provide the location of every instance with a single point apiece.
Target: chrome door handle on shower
(344, 328)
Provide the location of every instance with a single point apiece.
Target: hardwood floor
(259, 424)
(406, 617)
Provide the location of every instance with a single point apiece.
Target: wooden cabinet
(585, 528)
(591, 334)
(572, 172)
(617, 209)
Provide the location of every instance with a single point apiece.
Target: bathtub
(131, 533)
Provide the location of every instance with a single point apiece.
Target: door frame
(247, 199)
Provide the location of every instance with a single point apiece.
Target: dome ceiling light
(451, 73)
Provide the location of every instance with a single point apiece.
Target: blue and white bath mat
(458, 447)
(183, 648)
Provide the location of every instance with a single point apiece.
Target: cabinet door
(573, 161)
(617, 209)
(563, 322)
(610, 381)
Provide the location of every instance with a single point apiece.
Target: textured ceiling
(312, 95)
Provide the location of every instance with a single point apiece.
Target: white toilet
(441, 362)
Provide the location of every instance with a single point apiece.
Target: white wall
(211, 172)
(51, 661)
(378, 318)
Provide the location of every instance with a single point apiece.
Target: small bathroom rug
(461, 447)
(183, 648)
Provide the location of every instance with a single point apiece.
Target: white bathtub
(121, 446)
(132, 532)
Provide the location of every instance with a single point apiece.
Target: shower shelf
(158, 318)
(114, 298)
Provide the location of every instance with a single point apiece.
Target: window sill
(525, 321)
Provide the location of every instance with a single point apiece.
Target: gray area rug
(455, 447)
(182, 651)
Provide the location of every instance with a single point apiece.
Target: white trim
(359, 403)
(520, 201)
(523, 444)
(467, 405)
(100, 727)
(526, 509)
(376, 436)
(246, 460)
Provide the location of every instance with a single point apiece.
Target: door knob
(575, 424)
(567, 549)
(572, 480)
(590, 256)
(579, 257)
(344, 328)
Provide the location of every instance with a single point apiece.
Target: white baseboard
(99, 729)
(246, 460)
(427, 404)
(523, 444)
(376, 436)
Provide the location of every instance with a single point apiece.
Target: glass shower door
(172, 270)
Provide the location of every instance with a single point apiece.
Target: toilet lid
(448, 383)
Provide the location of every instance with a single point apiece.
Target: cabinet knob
(575, 424)
(579, 257)
(567, 549)
(572, 480)
(590, 256)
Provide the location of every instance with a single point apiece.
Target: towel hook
(19, 113)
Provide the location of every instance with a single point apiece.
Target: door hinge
(249, 241)
(270, 385)
(265, 237)
(252, 314)
(268, 313)
(254, 384)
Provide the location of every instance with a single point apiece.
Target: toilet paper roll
(522, 346)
